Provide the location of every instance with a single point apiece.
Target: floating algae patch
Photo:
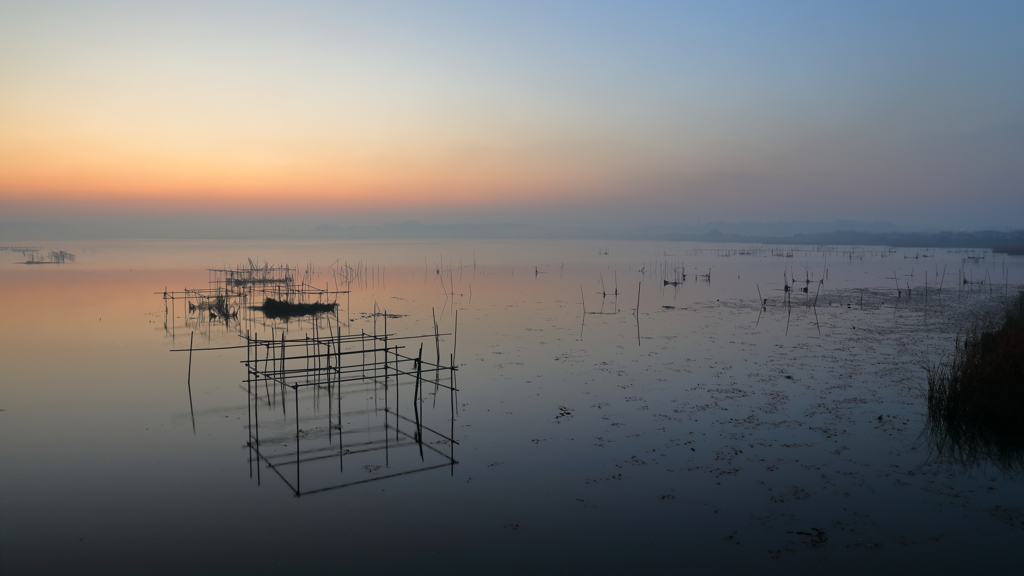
(272, 308)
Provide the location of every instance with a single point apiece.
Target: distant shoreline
(999, 241)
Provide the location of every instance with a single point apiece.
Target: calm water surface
(693, 431)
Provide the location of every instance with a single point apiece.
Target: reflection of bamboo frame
(329, 370)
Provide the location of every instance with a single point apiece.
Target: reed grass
(976, 399)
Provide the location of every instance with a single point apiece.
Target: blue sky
(454, 111)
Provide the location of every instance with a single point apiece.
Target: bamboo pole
(191, 409)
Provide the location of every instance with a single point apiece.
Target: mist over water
(621, 406)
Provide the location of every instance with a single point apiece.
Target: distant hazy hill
(1001, 241)
(29, 231)
(777, 228)
(839, 232)
(414, 229)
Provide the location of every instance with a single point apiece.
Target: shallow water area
(611, 415)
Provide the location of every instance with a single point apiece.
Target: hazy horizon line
(200, 228)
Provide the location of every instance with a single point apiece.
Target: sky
(577, 112)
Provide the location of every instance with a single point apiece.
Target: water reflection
(717, 430)
(967, 447)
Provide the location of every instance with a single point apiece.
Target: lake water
(606, 420)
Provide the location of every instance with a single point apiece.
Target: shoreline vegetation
(976, 398)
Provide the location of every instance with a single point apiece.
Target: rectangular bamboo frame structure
(331, 368)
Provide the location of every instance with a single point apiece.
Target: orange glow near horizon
(150, 143)
(99, 171)
(154, 185)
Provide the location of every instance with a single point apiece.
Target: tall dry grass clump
(976, 400)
